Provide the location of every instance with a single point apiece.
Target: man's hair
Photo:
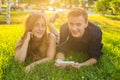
(78, 12)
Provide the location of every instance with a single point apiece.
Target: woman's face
(39, 29)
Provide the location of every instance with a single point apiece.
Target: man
(79, 35)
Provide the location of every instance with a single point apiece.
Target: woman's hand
(29, 67)
(29, 36)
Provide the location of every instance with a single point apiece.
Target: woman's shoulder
(51, 36)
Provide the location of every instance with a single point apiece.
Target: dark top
(36, 49)
(90, 42)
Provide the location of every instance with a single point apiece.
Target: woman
(36, 43)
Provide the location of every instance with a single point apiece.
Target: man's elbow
(94, 61)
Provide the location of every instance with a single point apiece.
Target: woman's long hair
(29, 24)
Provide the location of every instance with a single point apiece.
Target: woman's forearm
(53, 29)
(43, 60)
(22, 52)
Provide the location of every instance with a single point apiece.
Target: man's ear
(86, 24)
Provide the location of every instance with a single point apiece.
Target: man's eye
(71, 24)
(78, 24)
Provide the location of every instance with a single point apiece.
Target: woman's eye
(78, 24)
(43, 25)
(36, 25)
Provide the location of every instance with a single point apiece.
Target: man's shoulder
(64, 26)
(94, 29)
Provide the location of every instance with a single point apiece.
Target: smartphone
(65, 62)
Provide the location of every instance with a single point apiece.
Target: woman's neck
(36, 39)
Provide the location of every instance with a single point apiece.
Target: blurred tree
(115, 5)
(76, 2)
(0, 7)
(108, 7)
(90, 3)
(8, 12)
(103, 6)
(3, 1)
(83, 3)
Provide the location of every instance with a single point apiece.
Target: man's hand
(76, 65)
(59, 65)
(72, 65)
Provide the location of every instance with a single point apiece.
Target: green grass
(107, 68)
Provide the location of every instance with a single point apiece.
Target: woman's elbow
(19, 59)
(50, 58)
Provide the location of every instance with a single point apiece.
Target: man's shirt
(89, 43)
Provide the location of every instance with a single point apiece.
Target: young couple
(77, 35)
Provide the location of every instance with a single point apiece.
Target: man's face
(77, 26)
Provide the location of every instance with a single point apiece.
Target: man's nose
(74, 27)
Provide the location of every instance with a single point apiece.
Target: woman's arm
(53, 29)
(21, 52)
(51, 26)
(50, 54)
(50, 23)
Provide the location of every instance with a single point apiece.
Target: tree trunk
(0, 7)
(8, 12)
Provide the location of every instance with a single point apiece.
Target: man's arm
(90, 61)
(94, 49)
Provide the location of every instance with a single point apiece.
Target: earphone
(68, 37)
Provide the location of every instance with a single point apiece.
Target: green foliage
(90, 2)
(107, 68)
(108, 7)
(102, 6)
(115, 5)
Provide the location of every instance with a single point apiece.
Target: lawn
(107, 68)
